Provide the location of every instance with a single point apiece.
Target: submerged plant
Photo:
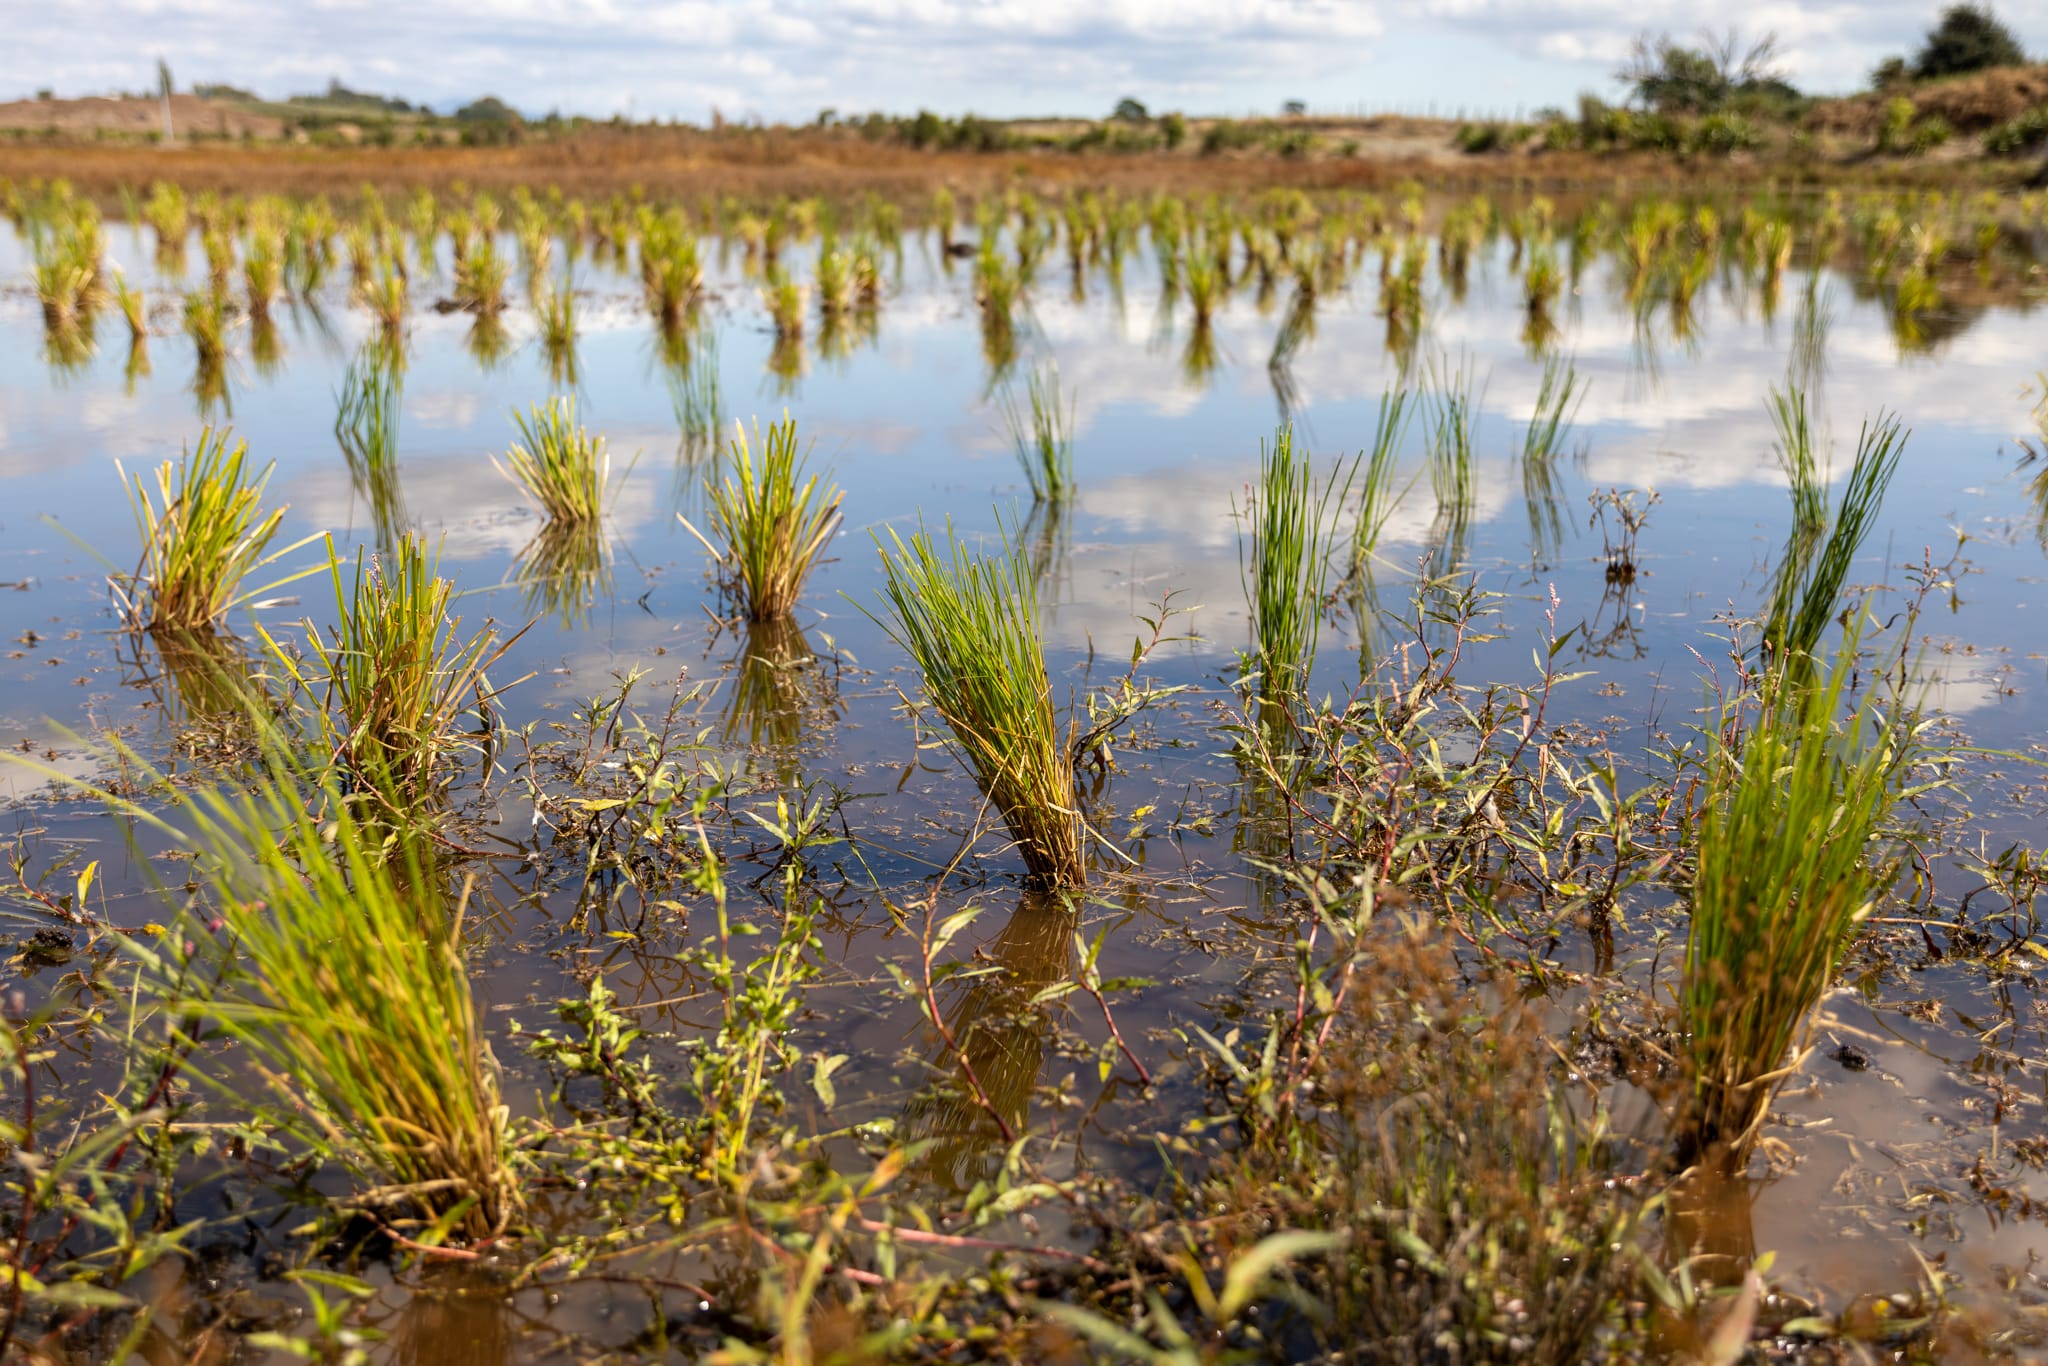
(1044, 437)
(203, 531)
(1287, 570)
(1787, 868)
(970, 623)
(561, 467)
(769, 529)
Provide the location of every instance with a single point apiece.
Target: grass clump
(1044, 437)
(769, 528)
(347, 992)
(1286, 573)
(970, 624)
(203, 530)
(560, 467)
(480, 277)
(1377, 496)
(1786, 871)
(393, 677)
(1806, 586)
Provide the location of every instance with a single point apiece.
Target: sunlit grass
(1789, 864)
(1286, 567)
(1812, 571)
(1044, 437)
(769, 521)
(203, 530)
(970, 623)
(350, 1002)
(393, 677)
(562, 468)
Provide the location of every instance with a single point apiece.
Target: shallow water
(907, 420)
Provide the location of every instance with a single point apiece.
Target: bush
(1227, 135)
(1725, 134)
(1291, 142)
(1476, 138)
(1929, 134)
(1173, 128)
(1969, 37)
(1898, 118)
(2019, 136)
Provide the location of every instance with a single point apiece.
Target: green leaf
(1250, 1271)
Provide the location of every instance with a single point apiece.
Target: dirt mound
(136, 117)
(1970, 103)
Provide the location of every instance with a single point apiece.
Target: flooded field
(1412, 898)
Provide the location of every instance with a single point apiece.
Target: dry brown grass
(136, 118)
(832, 163)
(1971, 104)
(838, 164)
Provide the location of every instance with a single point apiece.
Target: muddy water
(1879, 1139)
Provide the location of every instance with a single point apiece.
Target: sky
(785, 60)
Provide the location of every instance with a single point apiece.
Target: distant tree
(1890, 74)
(1294, 109)
(1674, 79)
(1968, 37)
(489, 109)
(1129, 110)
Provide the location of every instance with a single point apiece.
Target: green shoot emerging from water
(1293, 529)
(1045, 437)
(394, 679)
(1786, 871)
(971, 625)
(202, 532)
(351, 999)
(562, 468)
(1806, 587)
(770, 529)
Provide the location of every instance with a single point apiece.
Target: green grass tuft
(769, 528)
(203, 530)
(561, 467)
(1787, 868)
(1045, 437)
(350, 1000)
(1806, 586)
(970, 623)
(1287, 570)
(393, 678)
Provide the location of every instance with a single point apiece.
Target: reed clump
(970, 624)
(1813, 569)
(1043, 436)
(394, 677)
(770, 521)
(346, 989)
(480, 276)
(560, 467)
(1791, 857)
(1286, 568)
(203, 530)
(1377, 495)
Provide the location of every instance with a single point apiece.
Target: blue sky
(786, 59)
